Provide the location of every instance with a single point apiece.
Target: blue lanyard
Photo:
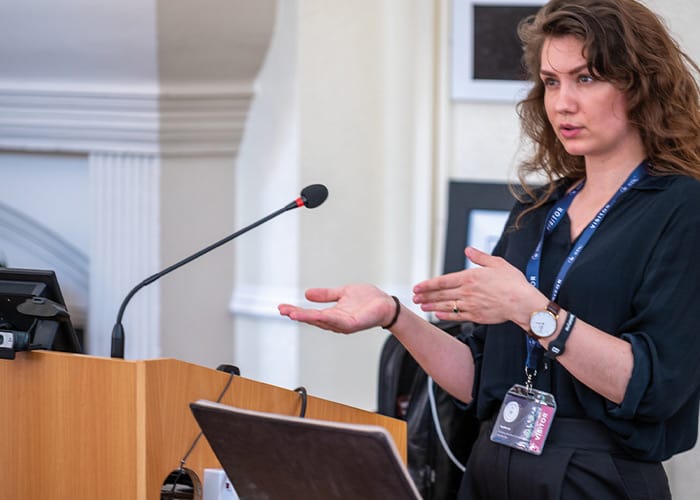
(555, 216)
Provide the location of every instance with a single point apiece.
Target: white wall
(78, 43)
(356, 115)
(54, 194)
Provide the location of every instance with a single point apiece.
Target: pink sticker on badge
(541, 430)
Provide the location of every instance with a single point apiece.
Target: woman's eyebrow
(575, 70)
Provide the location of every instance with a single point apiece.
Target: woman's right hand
(360, 307)
(356, 308)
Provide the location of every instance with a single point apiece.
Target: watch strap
(557, 346)
(554, 308)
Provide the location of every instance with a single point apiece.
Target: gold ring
(455, 309)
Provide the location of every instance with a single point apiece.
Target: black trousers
(579, 461)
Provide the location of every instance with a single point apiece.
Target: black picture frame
(486, 56)
(464, 198)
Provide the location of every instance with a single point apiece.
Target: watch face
(543, 323)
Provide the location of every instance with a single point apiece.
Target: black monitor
(32, 310)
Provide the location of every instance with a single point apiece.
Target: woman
(587, 380)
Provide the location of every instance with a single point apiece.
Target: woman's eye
(585, 78)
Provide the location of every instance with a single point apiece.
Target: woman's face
(588, 115)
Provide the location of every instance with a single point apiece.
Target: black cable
(181, 469)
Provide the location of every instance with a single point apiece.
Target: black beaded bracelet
(556, 347)
(396, 313)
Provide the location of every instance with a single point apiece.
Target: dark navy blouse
(638, 279)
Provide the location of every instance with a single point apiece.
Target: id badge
(524, 420)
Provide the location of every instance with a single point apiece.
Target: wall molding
(262, 301)
(192, 120)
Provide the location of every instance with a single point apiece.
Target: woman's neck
(605, 178)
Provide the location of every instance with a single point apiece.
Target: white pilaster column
(125, 248)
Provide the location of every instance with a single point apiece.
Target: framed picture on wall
(476, 215)
(485, 50)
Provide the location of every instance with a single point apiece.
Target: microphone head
(314, 195)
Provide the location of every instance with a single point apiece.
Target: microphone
(311, 197)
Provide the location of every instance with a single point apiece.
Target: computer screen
(31, 304)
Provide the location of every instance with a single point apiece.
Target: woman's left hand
(490, 294)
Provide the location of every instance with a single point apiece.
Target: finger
(322, 294)
(479, 258)
(284, 309)
(444, 282)
(311, 316)
(438, 299)
(323, 318)
(287, 309)
(444, 306)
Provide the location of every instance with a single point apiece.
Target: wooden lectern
(84, 427)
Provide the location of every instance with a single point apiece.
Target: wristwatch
(543, 324)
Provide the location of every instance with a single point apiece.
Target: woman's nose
(566, 99)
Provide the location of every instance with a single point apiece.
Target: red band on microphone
(300, 202)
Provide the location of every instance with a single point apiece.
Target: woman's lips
(569, 131)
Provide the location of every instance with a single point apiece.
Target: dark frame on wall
(467, 202)
(486, 52)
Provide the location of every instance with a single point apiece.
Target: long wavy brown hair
(627, 44)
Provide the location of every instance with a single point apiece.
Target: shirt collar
(651, 182)
(655, 182)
